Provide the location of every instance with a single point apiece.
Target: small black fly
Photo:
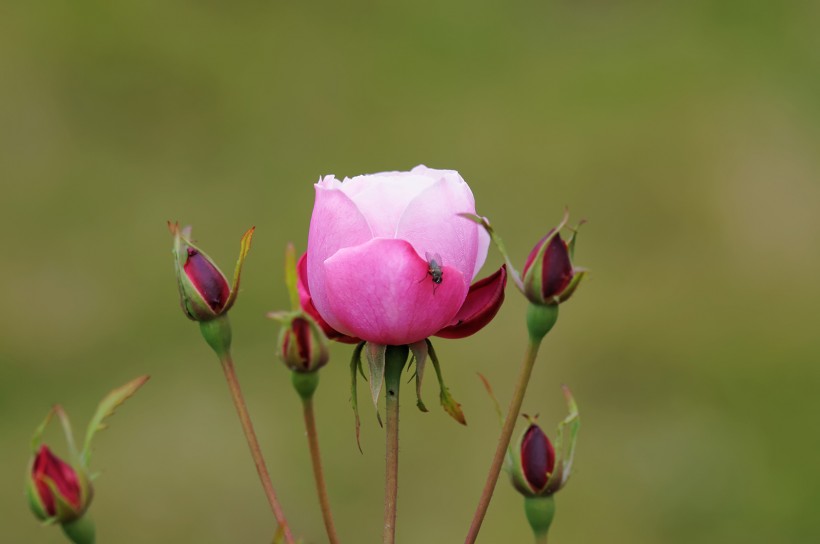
(434, 267)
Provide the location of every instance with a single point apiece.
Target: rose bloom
(369, 274)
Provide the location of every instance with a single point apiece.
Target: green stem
(253, 443)
(395, 359)
(81, 530)
(504, 439)
(318, 473)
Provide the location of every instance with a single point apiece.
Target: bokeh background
(687, 133)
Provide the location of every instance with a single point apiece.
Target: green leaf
(419, 350)
(105, 409)
(447, 401)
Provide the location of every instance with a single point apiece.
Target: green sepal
(64, 511)
(375, 360)
(490, 392)
(292, 277)
(81, 531)
(499, 244)
(573, 237)
(579, 274)
(356, 366)
(305, 383)
(36, 439)
(565, 451)
(419, 350)
(34, 501)
(108, 405)
(450, 405)
(244, 248)
(533, 277)
(540, 512)
(217, 333)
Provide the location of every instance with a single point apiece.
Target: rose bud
(56, 490)
(536, 468)
(302, 344)
(549, 276)
(203, 289)
(533, 462)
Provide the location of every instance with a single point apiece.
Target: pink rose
(369, 273)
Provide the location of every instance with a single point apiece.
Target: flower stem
(395, 358)
(253, 443)
(504, 439)
(318, 473)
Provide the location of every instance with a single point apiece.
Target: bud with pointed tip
(303, 347)
(57, 490)
(549, 277)
(535, 466)
(533, 461)
(204, 291)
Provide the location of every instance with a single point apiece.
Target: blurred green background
(687, 133)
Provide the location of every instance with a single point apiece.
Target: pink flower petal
(336, 223)
(307, 305)
(480, 307)
(381, 292)
(483, 247)
(432, 225)
(382, 198)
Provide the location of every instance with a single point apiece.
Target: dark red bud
(302, 345)
(47, 465)
(210, 283)
(537, 457)
(300, 336)
(557, 271)
(556, 266)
